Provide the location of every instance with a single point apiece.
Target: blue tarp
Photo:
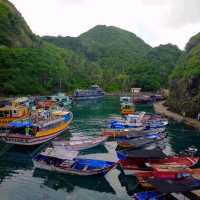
(19, 124)
(153, 195)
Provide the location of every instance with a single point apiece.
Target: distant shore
(160, 108)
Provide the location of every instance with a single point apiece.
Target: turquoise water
(20, 181)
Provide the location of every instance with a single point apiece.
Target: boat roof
(156, 153)
(60, 153)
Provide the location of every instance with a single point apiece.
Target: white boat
(61, 99)
(80, 144)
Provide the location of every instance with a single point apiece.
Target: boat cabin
(10, 113)
(125, 99)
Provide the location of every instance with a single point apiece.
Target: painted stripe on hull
(33, 141)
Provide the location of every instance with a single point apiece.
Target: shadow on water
(69, 182)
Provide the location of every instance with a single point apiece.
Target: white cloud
(155, 21)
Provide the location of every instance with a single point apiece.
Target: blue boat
(95, 92)
(67, 162)
(148, 195)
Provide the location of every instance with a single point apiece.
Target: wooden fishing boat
(71, 165)
(31, 132)
(80, 144)
(127, 108)
(141, 141)
(170, 172)
(130, 133)
(137, 165)
(11, 113)
(114, 133)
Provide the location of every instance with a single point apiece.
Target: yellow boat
(11, 113)
(127, 109)
(37, 130)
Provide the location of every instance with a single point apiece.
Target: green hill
(153, 70)
(27, 64)
(109, 56)
(123, 60)
(185, 80)
(14, 32)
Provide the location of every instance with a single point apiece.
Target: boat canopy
(21, 123)
(144, 153)
(94, 163)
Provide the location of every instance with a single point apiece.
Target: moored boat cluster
(140, 138)
(141, 145)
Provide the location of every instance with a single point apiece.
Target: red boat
(171, 174)
(47, 104)
(145, 164)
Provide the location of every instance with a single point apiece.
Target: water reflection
(69, 182)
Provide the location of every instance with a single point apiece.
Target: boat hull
(85, 145)
(72, 171)
(87, 98)
(40, 137)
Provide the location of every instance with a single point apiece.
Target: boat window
(1, 114)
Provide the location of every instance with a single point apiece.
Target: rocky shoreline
(160, 108)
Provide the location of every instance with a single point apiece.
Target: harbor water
(20, 181)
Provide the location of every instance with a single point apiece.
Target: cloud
(177, 13)
(155, 21)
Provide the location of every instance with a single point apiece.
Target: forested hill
(123, 59)
(14, 32)
(27, 64)
(185, 80)
(109, 56)
(103, 41)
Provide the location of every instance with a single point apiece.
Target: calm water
(20, 181)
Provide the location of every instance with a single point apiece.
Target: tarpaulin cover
(19, 124)
(149, 195)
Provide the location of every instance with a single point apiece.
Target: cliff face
(185, 81)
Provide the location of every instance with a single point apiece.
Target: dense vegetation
(14, 32)
(122, 59)
(185, 81)
(111, 57)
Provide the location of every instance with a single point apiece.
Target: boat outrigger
(32, 131)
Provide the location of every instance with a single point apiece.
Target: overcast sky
(155, 21)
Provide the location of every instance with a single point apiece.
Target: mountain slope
(14, 32)
(27, 64)
(124, 60)
(154, 69)
(103, 42)
(185, 81)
